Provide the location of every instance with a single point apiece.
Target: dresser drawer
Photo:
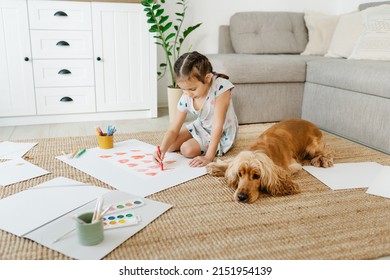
(61, 44)
(59, 15)
(63, 73)
(65, 100)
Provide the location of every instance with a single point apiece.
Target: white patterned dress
(200, 129)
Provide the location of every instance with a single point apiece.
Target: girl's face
(194, 88)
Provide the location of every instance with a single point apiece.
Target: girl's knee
(190, 149)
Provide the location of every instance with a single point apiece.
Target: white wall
(214, 13)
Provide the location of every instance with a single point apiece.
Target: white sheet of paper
(28, 210)
(96, 163)
(346, 175)
(18, 170)
(381, 184)
(13, 150)
(70, 246)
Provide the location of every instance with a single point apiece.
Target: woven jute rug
(205, 223)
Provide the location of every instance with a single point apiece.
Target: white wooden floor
(9, 133)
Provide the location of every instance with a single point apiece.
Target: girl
(206, 95)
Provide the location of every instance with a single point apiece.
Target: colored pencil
(159, 154)
(73, 154)
(81, 152)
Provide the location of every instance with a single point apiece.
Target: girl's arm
(221, 106)
(171, 134)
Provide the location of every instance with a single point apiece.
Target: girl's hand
(158, 158)
(199, 161)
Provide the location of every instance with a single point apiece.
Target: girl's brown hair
(194, 65)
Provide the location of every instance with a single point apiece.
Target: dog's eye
(239, 174)
(256, 176)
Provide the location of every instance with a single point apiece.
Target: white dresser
(65, 61)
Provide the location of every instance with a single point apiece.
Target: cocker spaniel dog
(269, 164)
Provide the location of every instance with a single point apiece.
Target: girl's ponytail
(194, 65)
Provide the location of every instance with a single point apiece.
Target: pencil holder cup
(89, 233)
(105, 141)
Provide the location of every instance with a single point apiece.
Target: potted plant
(170, 36)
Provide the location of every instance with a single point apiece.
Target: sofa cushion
(320, 28)
(268, 32)
(374, 41)
(249, 68)
(367, 76)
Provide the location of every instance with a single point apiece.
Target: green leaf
(166, 27)
(159, 12)
(145, 3)
(150, 1)
(163, 19)
(162, 65)
(151, 21)
(153, 29)
(155, 7)
(170, 36)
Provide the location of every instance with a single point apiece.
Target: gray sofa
(260, 51)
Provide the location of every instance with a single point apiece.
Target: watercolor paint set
(125, 205)
(120, 220)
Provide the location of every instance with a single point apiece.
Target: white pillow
(320, 28)
(346, 35)
(374, 42)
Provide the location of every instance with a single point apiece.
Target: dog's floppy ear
(274, 179)
(231, 175)
(217, 168)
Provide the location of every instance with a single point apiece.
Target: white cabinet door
(17, 96)
(124, 58)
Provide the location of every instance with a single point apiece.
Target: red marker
(159, 154)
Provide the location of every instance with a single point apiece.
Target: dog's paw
(322, 161)
(216, 168)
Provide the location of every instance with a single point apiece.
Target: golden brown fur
(278, 153)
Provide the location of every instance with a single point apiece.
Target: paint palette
(120, 220)
(125, 205)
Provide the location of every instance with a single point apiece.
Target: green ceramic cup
(89, 233)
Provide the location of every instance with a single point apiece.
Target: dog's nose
(242, 197)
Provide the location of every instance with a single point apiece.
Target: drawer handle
(60, 14)
(62, 43)
(66, 99)
(64, 72)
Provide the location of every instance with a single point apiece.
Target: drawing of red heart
(137, 157)
(120, 153)
(168, 168)
(169, 161)
(105, 156)
(154, 166)
(132, 164)
(123, 160)
(147, 161)
(151, 173)
(142, 170)
(134, 151)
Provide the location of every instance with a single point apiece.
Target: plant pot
(174, 95)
